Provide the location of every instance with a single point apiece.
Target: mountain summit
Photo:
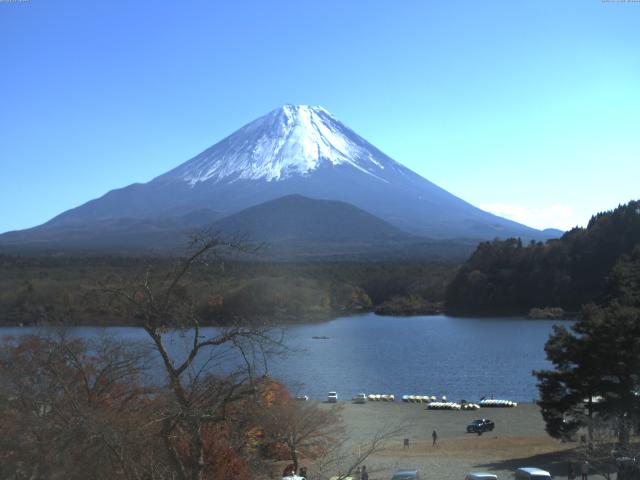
(292, 140)
(293, 150)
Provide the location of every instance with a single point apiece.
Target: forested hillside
(509, 277)
(75, 289)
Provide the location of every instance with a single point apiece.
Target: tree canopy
(596, 375)
(505, 276)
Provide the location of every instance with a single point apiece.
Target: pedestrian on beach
(584, 469)
(364, 475)
(434, 435)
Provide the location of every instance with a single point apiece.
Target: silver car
(406, 475)
(360, 398)
(480, 476)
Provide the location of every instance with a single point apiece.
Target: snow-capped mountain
(293, 150)
(292, 140)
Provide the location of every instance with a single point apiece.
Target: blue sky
(528, 109)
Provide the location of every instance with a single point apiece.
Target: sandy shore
(519, 440)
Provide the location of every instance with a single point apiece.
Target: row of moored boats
(374, 397)
(452, 406)
(495, 403)
(421, 398)
(431, 400)
(434, 404)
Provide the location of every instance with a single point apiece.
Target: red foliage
(222, 460)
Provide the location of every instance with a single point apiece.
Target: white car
(360, 398)
(532, 473)
(332, 397)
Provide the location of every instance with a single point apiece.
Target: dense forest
(505, 276)
(74, 290)
(500, 277)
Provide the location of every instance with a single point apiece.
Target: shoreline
(282, 322)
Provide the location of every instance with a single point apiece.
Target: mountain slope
(291, 150)
(300, 219)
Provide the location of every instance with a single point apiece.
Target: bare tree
(606, 454)
(72, 406)
(302, 428)
(198, 398)
(341, 457)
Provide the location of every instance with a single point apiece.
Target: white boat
(497, 403)
(444, 406)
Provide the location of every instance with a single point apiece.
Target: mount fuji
(294, 150)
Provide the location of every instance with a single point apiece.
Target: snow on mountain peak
(290, 140)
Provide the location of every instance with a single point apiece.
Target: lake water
(462, 358)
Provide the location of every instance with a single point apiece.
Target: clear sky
(530, 109)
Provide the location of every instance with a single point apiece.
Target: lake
(462, 358)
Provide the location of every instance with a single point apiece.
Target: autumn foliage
(74, 409)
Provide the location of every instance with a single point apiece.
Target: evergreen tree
(597, 372)
(503, 276)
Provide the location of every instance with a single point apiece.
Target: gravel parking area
(518, 440)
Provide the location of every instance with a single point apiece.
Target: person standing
(364, 475)
(584, 470)
(434, 436)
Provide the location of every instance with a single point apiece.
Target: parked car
(481, 476)
(480, 426)
(406, 475)
(360, 398)
(332, 397)
(531, 473)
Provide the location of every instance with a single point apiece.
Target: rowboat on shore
(497, 403)
(444, 406)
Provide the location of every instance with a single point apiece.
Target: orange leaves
(273, 393)
(221, 459)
